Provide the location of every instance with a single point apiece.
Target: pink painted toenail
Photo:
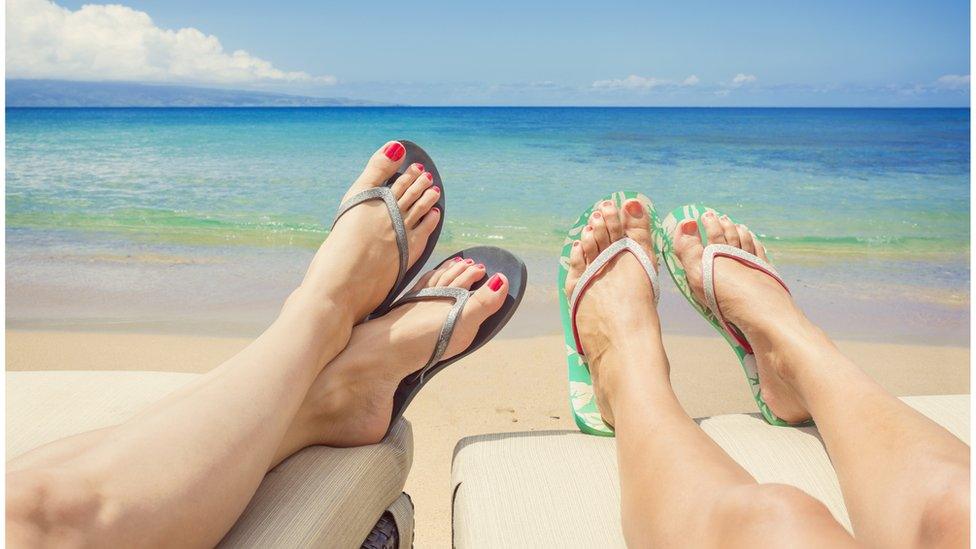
(394, 151)
(469, 261)
(456, 259)
(495, 282)
(430, 176)
(436, 189)
(480, 266)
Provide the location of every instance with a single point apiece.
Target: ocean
(189, 219)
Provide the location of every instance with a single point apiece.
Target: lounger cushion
(318, 497)
(560, 488)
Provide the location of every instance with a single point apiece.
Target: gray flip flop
(495, 260)
(405, 274)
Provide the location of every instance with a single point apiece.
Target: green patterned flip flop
(710, 310)
(581, 397)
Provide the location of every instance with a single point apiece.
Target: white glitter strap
(460, 297)
(399, 229)
(618, 247)
(713, 251)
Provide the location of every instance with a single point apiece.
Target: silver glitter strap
(460, 297)
(624, 244)
(399, 229)
(708, 274)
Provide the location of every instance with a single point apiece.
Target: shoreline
(513, 384)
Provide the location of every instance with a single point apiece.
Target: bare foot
(356, 266)
(616, 312)
(751, 300)
(351, 401)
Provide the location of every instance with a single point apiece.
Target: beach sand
(511, 385)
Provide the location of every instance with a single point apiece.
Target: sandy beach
(513, 384)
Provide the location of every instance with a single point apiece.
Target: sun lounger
(319, 497)
(527, 489)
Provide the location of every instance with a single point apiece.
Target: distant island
(69, 93)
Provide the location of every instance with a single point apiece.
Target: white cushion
(319, 496)
(560, 488)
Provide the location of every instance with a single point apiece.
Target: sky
(650, 53)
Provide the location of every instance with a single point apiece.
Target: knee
(45, 507)
(779, 504)
(945, 515)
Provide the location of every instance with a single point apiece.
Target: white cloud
(114, 42)
(634, 82)
(742, 79)
(953, 82)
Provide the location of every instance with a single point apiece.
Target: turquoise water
(885, 189)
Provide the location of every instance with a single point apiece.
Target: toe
(451, 270)
(420, 208)
(428, 223)
(588, 243)
(731, 234)
(600, 233)
(637, 225)
(612, 218)
(410, 195)
(432, 277)
(382, 165)
(577, 264)
(760, 248)
(403, 182)
(487, 299)
(745, 239)
(688, 247)
(713, 229)
(469, 276)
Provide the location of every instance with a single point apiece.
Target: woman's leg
(181, 472)
(905, 479)
(678, 488)
(351, 401)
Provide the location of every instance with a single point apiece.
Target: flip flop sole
(746, 360)
(415, 154)
(581, 398)
(495, 260)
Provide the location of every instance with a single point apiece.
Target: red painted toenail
(436, 189)
(419, 166)
(635, 209)
(394, 151)
(430, 176)
(469, 261)
(495, 282)
(456, 259)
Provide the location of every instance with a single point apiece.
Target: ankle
(635, 364)
(317, 307)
